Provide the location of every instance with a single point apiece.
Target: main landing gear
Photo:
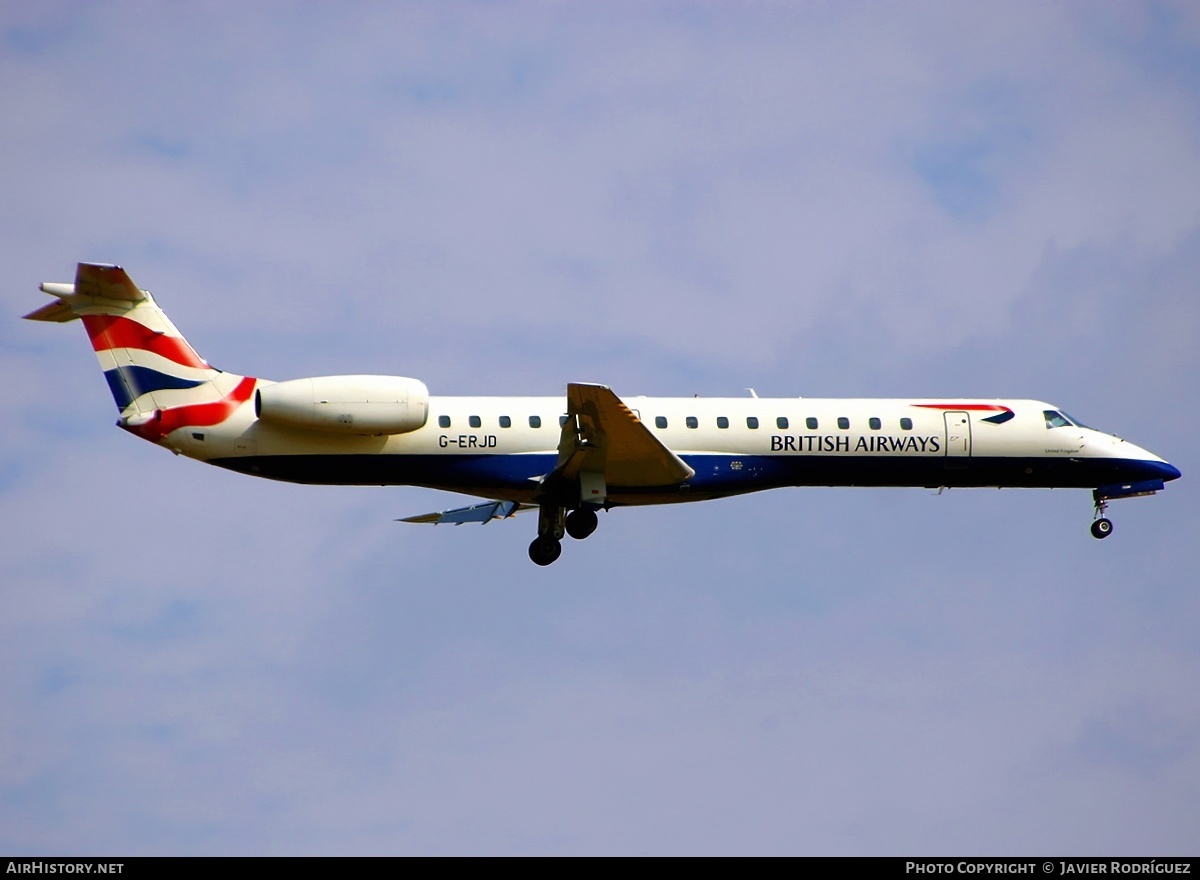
(553, 523)
(581, 523)
(545, 549)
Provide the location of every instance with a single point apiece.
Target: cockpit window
(1055, 419)
(1074, 421)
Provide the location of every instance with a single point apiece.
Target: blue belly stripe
(502, 476)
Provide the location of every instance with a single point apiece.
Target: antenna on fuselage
(753, 393)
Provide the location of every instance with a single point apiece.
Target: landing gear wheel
(545, 550)
(582, 523)
(1102, 528)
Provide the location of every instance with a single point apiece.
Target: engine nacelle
(345, 404)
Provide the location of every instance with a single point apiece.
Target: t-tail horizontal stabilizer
(480, 513)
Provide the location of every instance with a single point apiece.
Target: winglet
(603, 435)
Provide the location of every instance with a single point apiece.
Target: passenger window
(752, 423)
(781, 423)
(474, 421)
(906, 424)
(875, 424)
(562, 421)
(535, 421)
(660, 421)
(722, 422)
(811, 423)
(692, 422)
(443, 421)
(843, 422)
(505, 422)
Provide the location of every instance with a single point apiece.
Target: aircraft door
(958, 439)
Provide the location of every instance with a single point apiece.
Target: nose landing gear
(1102, 527)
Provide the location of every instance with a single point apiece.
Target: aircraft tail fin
(149, 366)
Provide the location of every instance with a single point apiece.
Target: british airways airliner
(570, 457)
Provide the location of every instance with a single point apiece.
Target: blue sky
(687, 198)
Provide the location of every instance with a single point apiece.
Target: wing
(602, 442)
(480, 513)
(602, 435)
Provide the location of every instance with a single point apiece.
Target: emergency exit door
(958, 439)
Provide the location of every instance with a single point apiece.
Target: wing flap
(602, 434)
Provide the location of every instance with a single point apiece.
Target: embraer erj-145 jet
(571, 456)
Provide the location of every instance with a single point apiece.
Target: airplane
(570, 457)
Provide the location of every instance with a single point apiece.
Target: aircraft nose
(1157, 469)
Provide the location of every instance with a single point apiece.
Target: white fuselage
(498, 446)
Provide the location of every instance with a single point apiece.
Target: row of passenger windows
(782, 423)
(505, 421)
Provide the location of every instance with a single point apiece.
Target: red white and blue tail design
(157, 379)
